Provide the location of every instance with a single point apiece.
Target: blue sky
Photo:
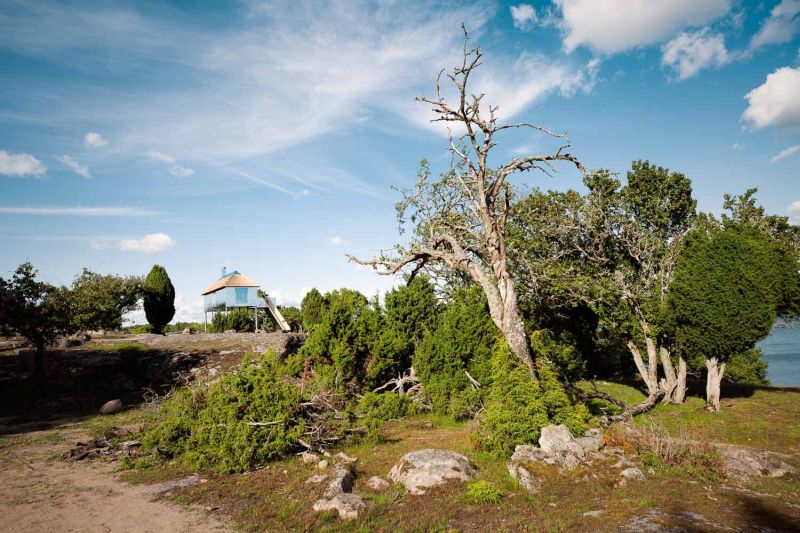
(266, 136)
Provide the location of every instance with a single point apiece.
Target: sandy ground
(38, 492)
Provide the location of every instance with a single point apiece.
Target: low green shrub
(483, 491)
(519, 406)
(377, 408)
(235, 424)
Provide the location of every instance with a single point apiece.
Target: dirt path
(40, 493)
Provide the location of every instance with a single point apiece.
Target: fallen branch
(628, 411)
(473, 381)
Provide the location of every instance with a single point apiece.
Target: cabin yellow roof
(234, 280)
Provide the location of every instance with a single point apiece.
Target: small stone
(109, 408)
(341, 480)
(322, 465)
(632, 473)
(346, 458)
(594, 514)
(309, 457)
(346, 504)
(317, 478)
(377, 484)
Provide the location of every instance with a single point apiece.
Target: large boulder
(423, 469)
(346, 504)
(743, 463)
(111, 407)
(520, 466)
(558, 443)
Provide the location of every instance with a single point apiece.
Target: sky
(267, 137)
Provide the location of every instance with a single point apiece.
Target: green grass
(757, 417)
(120, 347)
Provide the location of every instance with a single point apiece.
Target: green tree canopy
(101, 301)
(411, 309)
(729, 285)
(35, 310)
(159, 298)
(312, 308)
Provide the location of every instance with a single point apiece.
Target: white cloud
(612, 26)
(174, 168)
(794, 212)
(524, 16)
(94, 140)
(149, 244)
(776, 102)
(737, 146)
(20, 165)
(158, 156)
(78, 211)
(75, 166)
(786, 153)
(689, 53)
(180, 171)
(780, 27)
(336, 240)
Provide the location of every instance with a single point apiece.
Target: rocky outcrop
(338, 494)
(743, 463)
(340, 480)
(557, 447)
(348, 505)
(423, 469)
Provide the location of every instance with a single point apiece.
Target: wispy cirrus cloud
(783, 154)
(77, 211)
(75, 166)
(317, 75)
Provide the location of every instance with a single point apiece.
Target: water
(782, 354)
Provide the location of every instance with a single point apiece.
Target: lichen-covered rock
(309, 457)
(341, 480)
(591, 441)
(423, 469)
(377, 484)
(558, 443)
(743, 463)
(632, 473)
(348, 505)
(519, 469)
(109, 408)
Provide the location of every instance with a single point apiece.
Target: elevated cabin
(233, 290)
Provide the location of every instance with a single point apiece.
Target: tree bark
(715, 372)
(38, 364)
(671, 384)
(680, 392)
(644, 371)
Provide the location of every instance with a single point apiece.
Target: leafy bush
(519, 406)
(312, 308)
(411, 309)
(483, 491)
(462, 341)
(235, 424)
(159, 298)
(379, 408)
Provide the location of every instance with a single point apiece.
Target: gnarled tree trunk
(716, 370)
(648, 371)
(679, 395)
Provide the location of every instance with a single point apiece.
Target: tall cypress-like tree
(159, 298)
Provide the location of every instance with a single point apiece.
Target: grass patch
(119, 347)
(483, 491)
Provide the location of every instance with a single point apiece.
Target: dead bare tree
(459, 220)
